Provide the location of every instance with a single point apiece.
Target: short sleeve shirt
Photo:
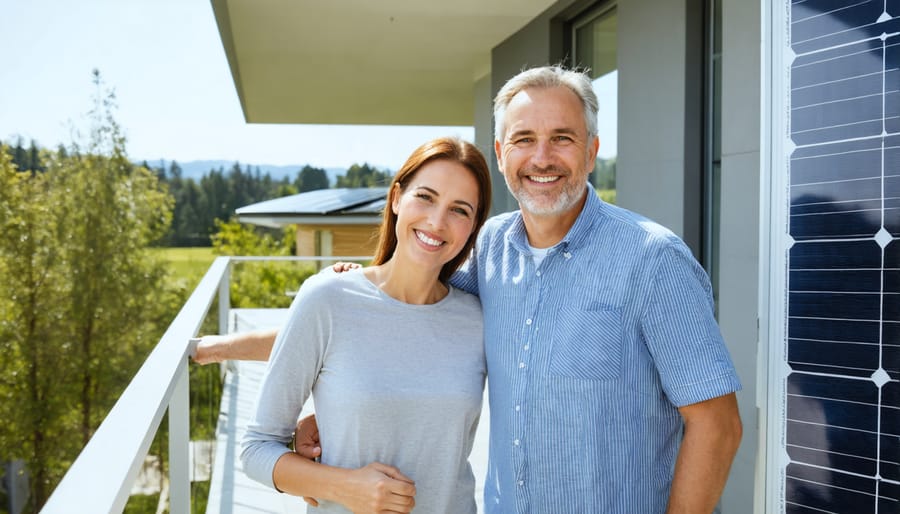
(589, 356)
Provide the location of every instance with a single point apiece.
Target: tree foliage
(364, 176)
(82, 314)
(260, 284)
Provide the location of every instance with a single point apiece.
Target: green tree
(83, 313)
(33, 324)
(363, 176)
(311, 179)
(260, 284)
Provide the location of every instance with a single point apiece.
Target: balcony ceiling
(375, 62)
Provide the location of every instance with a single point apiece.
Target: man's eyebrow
(435, 193)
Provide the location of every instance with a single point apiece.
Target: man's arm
(248, 346)
(712, 434)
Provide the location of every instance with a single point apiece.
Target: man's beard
(539, 205)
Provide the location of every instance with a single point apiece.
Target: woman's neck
(406, 283)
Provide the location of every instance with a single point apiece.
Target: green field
(188, 263)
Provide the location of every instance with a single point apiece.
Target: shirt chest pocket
(588, 345)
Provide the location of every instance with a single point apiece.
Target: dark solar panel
(843, 322)
(322, 201)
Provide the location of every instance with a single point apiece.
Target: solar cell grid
(842, 427)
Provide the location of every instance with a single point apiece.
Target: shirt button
(521, 482)
(521, 365)
(539, 273)
(525, 347)
(516, 442)
(567, 255)
(518, 407)
(528, 321)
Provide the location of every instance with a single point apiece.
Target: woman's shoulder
(465, 301)
(328, 283)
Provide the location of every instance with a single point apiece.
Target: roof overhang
(387, 62)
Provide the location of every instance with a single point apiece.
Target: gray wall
(659, 131)
(739, 243)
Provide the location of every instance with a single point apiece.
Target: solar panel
(322, 201)
(842, 427)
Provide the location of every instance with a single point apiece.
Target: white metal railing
(101, 478)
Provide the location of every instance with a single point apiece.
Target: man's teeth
(543, 179)
(427, 240)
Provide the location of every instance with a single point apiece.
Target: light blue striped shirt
(589, 356)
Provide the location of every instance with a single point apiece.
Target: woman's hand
(379, 488)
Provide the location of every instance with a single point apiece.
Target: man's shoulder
(499, 224)
(628, 224)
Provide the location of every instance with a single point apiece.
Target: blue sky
(176, 99)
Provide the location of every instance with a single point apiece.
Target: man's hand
(340, 267)
(306, 444)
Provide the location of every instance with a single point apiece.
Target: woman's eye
(461, 211)
(423, 196)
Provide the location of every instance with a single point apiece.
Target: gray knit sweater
(392, 382)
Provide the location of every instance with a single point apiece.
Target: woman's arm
(373, 488)
(247, 346)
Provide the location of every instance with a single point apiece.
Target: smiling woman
(406, 388)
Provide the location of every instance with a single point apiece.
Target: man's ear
(497, 148)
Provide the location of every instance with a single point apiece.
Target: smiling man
(611, 390)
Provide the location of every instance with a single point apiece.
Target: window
(594, 48)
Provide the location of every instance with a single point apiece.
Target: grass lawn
(188, 263)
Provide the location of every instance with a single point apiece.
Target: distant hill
(197, 169)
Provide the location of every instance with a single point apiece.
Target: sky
(176, 99)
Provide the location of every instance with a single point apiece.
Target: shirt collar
(577, 236)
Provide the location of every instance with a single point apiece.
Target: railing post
(179, 444)
(225, 298)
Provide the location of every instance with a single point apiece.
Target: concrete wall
(739, 239)
(659, 131)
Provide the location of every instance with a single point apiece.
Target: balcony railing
(101, 478)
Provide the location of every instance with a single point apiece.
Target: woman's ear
(395, 199)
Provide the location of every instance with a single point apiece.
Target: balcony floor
(231, 492)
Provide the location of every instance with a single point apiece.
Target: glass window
(594, 41)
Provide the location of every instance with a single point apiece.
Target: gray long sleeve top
(392, 382)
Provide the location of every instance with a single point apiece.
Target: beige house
(341, 222)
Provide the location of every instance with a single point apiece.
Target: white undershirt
(538, 255)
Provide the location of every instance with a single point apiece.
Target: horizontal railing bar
(101, 477)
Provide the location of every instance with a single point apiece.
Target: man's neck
(547, 231)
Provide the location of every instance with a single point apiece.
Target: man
(610, 386)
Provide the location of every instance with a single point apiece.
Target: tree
(363, 176)
(257, 284)
(83, 314)
(311, 179)
(33, 322)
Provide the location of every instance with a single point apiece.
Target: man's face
(546, 155)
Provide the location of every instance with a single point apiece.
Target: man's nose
(543, 153)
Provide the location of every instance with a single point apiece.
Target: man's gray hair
(542, 78)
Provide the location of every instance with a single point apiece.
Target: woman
(392, 355)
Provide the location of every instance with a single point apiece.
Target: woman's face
(435, 213)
